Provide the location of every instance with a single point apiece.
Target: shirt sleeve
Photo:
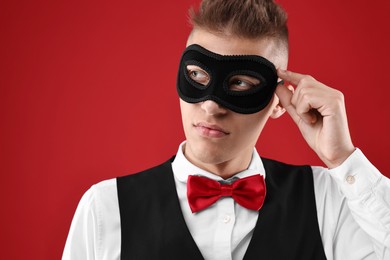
(95, 230)
(363, 210)
(82, 238)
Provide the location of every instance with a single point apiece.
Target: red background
(87, 89)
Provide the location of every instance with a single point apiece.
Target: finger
(307, 85)
(284, 94)
(316, 99)
(306, 111)
(303, 101)
(292, 77)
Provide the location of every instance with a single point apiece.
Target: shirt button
(226, 219)
(350, 179)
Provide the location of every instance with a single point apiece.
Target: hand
(320, 115)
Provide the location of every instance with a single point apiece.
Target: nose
(212, 108)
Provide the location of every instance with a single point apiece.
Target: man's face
(216, 135)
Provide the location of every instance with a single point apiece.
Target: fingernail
(282, 70)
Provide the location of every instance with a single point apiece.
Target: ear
(277, 111)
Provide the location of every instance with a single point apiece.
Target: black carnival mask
(242, 83)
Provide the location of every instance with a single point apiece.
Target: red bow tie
(202, 192)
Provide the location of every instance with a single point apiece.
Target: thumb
(285, 95)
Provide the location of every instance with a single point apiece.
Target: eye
(243, 83)
(198, 75)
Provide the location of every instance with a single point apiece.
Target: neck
(223, 168)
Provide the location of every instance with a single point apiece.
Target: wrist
(338, 158)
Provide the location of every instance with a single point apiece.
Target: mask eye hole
(198, 74)
(238, 83)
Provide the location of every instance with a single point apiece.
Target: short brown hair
(251, 19)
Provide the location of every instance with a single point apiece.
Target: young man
(251, 207)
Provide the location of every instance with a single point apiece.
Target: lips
(210, 130)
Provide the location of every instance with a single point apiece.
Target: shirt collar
(182, 168)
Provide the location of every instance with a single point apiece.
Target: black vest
(153, 227)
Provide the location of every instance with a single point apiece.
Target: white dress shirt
(353, 207)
